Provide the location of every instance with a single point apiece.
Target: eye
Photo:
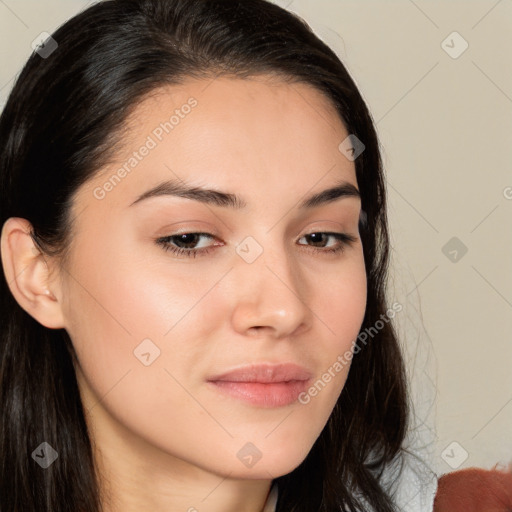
(181, 244)
(344, 240)
(185, 239)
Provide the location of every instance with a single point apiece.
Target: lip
(264, 385)
(265, 373)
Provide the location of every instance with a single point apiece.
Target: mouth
(264, 385)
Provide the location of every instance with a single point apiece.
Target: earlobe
(27, 274)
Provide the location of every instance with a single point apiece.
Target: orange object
(474, 490)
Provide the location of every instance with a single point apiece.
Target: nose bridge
(270, 291)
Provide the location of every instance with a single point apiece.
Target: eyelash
(345, 240)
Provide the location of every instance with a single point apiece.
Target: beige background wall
(445, 123)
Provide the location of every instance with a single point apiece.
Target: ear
(27, 274)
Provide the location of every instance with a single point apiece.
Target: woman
(195, 248)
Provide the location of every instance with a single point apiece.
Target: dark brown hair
(60, 126)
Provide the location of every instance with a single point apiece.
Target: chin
(278, 463)
(269, 462)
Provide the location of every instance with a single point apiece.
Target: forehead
(251, 93)
(231, 133)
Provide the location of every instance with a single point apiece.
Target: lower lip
(275, 394)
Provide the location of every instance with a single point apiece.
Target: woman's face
(152, 327)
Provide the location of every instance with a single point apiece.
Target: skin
(165, 440)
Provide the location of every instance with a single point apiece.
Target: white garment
(270, 504)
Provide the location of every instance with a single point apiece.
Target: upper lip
(265, 373)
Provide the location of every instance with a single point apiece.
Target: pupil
(183, 238)
(316, 236)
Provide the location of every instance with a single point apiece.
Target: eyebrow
(225, 199)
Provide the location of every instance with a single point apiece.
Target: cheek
(339, 305)
(118, 306)
(125, 311)
(341, 300)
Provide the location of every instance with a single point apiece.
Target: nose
(270, 296)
